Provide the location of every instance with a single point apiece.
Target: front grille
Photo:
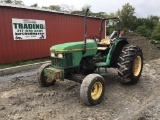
(67, 61)
(58, 62)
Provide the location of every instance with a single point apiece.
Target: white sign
(24, 29)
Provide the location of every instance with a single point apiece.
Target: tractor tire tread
(85, 88)
(40, 80)
(125, 63)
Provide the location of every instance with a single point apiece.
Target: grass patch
(13, 64)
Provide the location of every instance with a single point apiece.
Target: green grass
(13, 64)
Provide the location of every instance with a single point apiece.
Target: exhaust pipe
(85, 31)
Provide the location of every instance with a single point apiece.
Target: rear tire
(130, 64)
(92, 89)
(42, 80)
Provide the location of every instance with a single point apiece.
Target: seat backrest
(113, 35)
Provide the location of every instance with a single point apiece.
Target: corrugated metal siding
(60, 28)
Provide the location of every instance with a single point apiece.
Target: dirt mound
(150, 52)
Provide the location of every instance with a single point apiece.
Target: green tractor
(83, 62)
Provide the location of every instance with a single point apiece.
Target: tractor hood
(74, 46)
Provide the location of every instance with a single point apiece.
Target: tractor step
(101, 65)
(102, 73)
(53, 73)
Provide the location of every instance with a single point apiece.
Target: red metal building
(59, 28)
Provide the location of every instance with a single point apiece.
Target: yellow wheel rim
(48, 80)
(137, 65)
(96, 90)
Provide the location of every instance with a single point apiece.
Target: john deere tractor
(87, 61)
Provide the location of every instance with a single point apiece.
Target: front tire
(42, 79)
(130, 65)
(92, 89)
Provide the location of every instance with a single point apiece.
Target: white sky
(143, 8)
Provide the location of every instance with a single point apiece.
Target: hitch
(53, 73)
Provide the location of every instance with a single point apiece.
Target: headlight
(60, 55)
(52, 54)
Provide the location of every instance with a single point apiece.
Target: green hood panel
(74, 46)
(76, 49)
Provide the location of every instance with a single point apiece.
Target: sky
(143, 8)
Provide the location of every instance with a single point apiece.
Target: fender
(115, 51)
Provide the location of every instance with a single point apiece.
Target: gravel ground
(22, 98)
(152, 109)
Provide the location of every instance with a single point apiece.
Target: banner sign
(24, 29)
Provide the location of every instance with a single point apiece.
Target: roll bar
(101, 28)
(111, 18)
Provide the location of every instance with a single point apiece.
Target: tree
(34, 5)
(77, 12)
(7, 1)
(99, 14)
(85, 7)
(127, 16)
(17, 2)
(64, 8)
(155, 33)
(45, 7)
(151, 22)
(61, 8)
(142, 30)
(145, 26)
(71, 8)
(154, 19)
(83, 10)
(54, 7)
(90, 13)
(111, 15)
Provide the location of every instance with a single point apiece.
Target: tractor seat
(113, 35)
(105, 41)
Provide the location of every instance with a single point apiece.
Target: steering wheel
(97, 37)
(93, 37)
